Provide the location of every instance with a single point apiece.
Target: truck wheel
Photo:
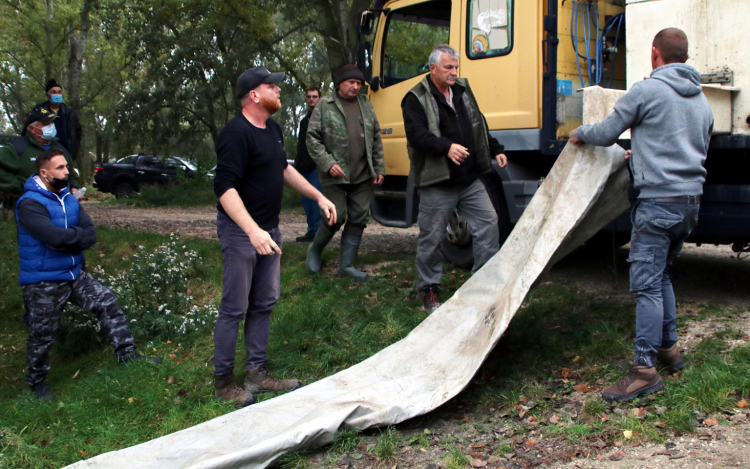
(457, 243)
(124, 190)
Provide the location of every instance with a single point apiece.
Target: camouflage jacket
(328, 142)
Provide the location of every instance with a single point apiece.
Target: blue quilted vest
(40, 263)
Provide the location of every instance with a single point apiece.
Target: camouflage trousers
(45, 303)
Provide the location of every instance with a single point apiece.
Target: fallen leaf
(628, 434)
(523, 399)
(554, 419)
(158, 419)
(660, 424)
(742, 403)
(522, 411)
(83, 453)
(576, 359)
(75, 375)
(182, 392)
(583, 387)
(179, 361)
(478, 463)
(530, 442)
(710, 422)
(565, 372)
(172, 356)
(476, 455)
(738, 418)
(599, 444)
(177, 402)
(639, 411)
(530, 419)
(153, 349)
(170, 380)
(169, 342)
(130, 400)
(661, 410)
(617, 455)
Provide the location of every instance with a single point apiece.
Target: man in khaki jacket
(343, 138)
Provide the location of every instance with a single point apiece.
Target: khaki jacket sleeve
(10, 181)
(315, 143)
(378, 160)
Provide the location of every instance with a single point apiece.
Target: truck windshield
(411, 34)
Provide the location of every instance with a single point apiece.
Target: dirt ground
(710, 275)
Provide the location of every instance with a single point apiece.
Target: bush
(154, 295)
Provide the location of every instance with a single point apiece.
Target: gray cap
(252, 78)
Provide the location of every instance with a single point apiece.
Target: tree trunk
(48, 42)
(78, 40)
(338, 25)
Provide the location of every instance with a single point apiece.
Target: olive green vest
(431, 169)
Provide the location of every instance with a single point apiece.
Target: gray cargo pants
(45, 302)
(436, 203)
(251, 283)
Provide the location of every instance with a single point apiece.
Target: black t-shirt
(252, 161)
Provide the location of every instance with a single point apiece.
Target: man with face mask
(66, 123)
(18, 156)
(53, 232)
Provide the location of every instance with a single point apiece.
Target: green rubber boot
(350, 239)
(322, 238)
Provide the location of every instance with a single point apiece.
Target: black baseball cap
(252, 78)
(42, 114)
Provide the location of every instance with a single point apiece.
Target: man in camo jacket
(53, 232)
(343, 138)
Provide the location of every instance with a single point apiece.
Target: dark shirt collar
(458, 90)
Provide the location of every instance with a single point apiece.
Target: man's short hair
(673, 45)
(47, 155)
(438, 52)
(313, 88)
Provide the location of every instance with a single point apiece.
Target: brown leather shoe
(671, 358)
(258, 380)
(640, 380)
(431, 299)
(226, 389)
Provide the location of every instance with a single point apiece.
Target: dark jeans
(251, 284)
(659, 231)
(311, 207)
(45, 303)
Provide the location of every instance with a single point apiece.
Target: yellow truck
(527, 61)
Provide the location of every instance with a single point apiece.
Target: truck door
(410, 31)
(500, 49)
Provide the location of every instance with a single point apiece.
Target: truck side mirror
(366, 22)
(375, 83)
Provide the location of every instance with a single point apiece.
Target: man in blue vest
(53, 232)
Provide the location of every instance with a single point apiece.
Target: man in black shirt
(249, 182)
(449, 147)
(306, 167)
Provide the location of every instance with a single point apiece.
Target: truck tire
(456, 245)
(124, 190)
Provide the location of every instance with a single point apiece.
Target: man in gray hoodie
(671, 124)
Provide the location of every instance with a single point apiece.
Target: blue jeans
(659, 231)
(311, 207)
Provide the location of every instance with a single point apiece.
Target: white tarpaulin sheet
(584, 191)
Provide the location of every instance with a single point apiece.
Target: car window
(171, 163)
(150, 161)
(411, 34)
(127, 160)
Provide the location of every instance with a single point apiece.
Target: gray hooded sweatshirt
(670, 122)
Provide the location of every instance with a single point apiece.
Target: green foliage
(457, 459)
(385, 448)
(346, 441)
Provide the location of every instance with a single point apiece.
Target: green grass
(456, 458)
(187, 193)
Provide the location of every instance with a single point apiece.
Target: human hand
(329, 210)
(502, 160)
(73, 190)
(336, 171)
(574, 137)
(378, 179)
(458, 153)
(263, 243)
(628, 154)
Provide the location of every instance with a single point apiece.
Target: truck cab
(527, 63)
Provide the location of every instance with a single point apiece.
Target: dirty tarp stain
(584, 191)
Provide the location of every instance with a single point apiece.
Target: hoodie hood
(682, 77)
(35, 184)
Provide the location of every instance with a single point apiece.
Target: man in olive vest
(449, 147)
(343, 138)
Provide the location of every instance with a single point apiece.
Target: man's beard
(270, 105)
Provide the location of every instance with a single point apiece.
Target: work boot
(431, 298)
(640, 380)
(322, 238)
(670, 357)
(226, 389)
(258, 380)
(41, 392)
(130, 357)
(350, 239)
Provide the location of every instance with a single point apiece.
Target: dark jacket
(432, 126)
(303, 162)
(70, 134)
(53, 231)
(15, 169)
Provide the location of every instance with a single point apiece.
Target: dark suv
(127, 175)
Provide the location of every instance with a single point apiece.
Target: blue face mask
(49, 132)
(56, 99)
